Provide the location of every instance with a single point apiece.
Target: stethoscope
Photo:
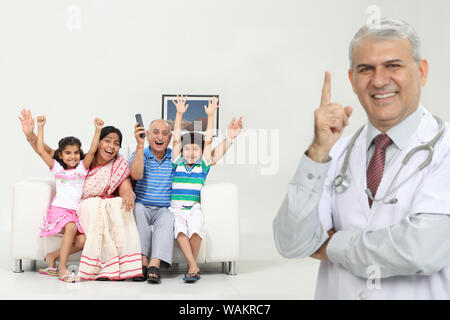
(343, 180)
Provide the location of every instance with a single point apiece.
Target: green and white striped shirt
(188, 182)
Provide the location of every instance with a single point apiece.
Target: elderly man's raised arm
(137, 159)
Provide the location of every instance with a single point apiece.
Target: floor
(261, 274)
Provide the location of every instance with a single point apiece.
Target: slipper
(49, 271)
(69, 278)
(191, 277)
(153, 279)
(144, 275)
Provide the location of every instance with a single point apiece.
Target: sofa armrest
(220, 207)
(31, 200)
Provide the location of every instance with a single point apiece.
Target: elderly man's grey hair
(151, 123)
(389, 29)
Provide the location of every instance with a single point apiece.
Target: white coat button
(362, 296)
(310, 176)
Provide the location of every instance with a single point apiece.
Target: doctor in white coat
(382, 228)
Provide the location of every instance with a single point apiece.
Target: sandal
(144, 275)
(191, 277)
(153, 279)
(69, 278)
(49, 271)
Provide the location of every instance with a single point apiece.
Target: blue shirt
(155, 187)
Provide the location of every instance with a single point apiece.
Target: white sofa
(219, 201)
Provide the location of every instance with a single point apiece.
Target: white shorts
(188, 221)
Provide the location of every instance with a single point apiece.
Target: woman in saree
(112, 249)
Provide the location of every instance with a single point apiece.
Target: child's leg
(51, 258)
(78, 245)
(70, 231)
(185, 246)
(195, 230)
(195, 243)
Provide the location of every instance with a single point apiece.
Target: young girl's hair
(64, 142)
(193, 138)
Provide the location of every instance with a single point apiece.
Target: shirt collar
(149, 154)
(199, 161)
(402, 132)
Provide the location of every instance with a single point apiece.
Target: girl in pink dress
(69, 166)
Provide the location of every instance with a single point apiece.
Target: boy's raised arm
(234, 129)
(210, 110)
(181, 106)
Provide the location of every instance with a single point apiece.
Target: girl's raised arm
(27, 122)
(40, 149)
(89, 156)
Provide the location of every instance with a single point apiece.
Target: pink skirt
(56, 219)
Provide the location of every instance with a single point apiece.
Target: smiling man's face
(387, 80)
(159, 136)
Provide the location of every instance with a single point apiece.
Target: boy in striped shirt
(191, 156)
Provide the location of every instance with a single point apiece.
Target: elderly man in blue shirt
(152, 169)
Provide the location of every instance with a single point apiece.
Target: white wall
(264, 57)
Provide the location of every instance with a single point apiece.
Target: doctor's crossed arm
(298, 231)
(418, 245)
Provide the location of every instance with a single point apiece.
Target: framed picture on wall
(195, 117)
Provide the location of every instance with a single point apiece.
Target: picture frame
(195, 117)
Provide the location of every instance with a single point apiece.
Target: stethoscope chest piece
(342, 183)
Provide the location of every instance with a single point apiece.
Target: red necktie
(376, 164)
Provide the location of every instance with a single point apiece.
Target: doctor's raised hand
(330, 119)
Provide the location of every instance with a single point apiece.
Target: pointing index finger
(326, 90)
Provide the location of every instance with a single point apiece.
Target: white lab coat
(425, 192)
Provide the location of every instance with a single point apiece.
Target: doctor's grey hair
(389, 29)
